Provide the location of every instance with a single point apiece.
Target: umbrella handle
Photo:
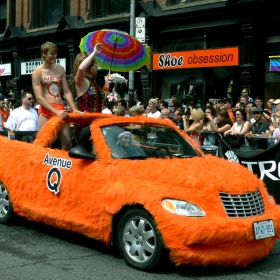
(113, 52)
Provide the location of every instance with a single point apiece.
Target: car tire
(6, 208)
(139, 241)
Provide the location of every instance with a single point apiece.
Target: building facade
(173, 27)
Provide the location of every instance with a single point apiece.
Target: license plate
(263, 229)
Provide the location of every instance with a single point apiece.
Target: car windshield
(145, 141)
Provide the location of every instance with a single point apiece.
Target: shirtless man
(47, 80)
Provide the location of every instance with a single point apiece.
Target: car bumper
(217, 241)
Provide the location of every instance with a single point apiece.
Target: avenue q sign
(28, 67)
(196, 59)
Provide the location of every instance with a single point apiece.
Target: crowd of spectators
(247, 117)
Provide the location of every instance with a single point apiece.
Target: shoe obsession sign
(196, 59)
(5, 69)
(28, 67)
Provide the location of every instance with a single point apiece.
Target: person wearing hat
(259, 128)
(226, 104)
(125, 148)
(276, 105)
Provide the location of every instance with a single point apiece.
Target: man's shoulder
(16, 110)
(37, 70)
(58, 69)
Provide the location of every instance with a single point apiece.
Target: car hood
(198, 173)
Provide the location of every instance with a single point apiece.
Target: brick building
(172, 27)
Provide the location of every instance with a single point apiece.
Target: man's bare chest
(48, 78)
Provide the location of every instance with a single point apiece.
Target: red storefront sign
(196, 59)
(5, 69)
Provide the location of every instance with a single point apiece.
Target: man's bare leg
(42, 121)
(65, 137)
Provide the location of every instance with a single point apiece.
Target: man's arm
(10, 124)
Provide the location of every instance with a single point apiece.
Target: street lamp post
(132, 33)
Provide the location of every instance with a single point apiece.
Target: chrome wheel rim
(139, 239)
(4, 201)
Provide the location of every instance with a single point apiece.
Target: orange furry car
(142, 185)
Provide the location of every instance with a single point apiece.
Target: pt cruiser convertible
(142, 185)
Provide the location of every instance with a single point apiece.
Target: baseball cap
(225, 100)
(257, 110)
(277, 101)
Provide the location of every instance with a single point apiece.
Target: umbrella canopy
(120, 52)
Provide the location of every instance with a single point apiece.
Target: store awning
(274, 63)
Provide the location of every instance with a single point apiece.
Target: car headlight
(182, 208)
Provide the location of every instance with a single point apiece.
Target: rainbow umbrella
(120, 52)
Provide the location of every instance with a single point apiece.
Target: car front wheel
(139, 240)
(6, 209)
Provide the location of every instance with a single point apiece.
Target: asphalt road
(30, 251)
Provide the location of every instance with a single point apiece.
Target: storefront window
(3, 15)
(103, 8)
(49, 12)
(177, 2)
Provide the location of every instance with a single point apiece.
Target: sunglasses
(30, 98)
(256, 113)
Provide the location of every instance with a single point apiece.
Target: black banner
(264, 163)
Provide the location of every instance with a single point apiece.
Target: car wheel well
(116, 220)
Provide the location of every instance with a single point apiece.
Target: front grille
(243, 205)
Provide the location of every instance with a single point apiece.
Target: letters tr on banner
(264, 163)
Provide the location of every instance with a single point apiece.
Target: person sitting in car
(124, 147)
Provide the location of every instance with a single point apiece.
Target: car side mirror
(81, 152)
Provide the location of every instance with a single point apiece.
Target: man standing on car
(23, 118)
(47, 80)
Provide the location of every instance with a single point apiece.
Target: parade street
(31, 251)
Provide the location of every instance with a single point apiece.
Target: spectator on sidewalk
(241, 126)
(226, 104)
(23, 118)
(154, 113)
(259, 128)
(245, 91)
(259, 102)
(4, 112)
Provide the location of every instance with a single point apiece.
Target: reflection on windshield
(146, 141)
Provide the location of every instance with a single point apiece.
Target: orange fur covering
(92, 192)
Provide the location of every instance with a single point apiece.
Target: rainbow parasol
(120, 52)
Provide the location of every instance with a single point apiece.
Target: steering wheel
(161, 148)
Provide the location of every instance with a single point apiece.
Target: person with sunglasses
(23, 118)
(259, 128)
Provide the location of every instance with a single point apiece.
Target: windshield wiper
(183, 156)
(134, 157)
